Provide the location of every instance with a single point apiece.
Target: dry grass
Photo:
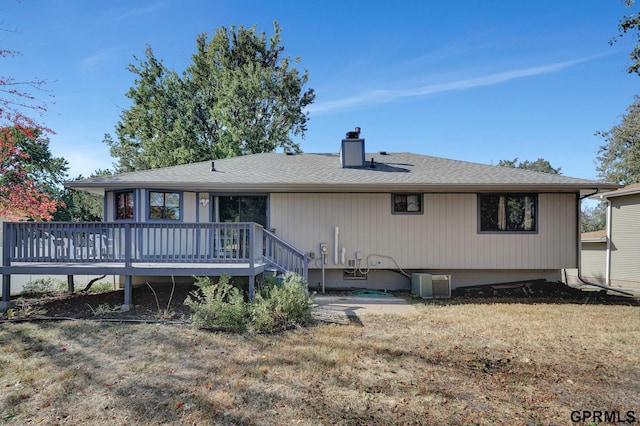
(450, 364)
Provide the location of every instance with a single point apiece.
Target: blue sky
(478, 81)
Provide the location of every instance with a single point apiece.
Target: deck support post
(71, 287)
(126, 307)
(252, 281)
(6, 304)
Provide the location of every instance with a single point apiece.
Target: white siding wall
(625, 238)
(189, 206)
(444, 237)
(111, 209)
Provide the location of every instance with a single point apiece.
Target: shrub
(279, 307)
(44, 285)
(275, 307)
(100, 287)
(217, 305)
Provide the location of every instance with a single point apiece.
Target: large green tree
(540, 165)
(80, 206)
(593, 218)
(240, 95)
(618, 159)
(630, 24)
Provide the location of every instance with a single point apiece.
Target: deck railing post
(127, 244)
(305, 267)
(252, 264)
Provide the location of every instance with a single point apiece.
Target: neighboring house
(378, 217)
(612, 256)
(592, 257)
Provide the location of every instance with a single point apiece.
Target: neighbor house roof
(279, 172)
(627, 190)
(594, 236)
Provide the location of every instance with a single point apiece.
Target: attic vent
(352, 150)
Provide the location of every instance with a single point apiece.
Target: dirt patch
(165, 302)
(538, 292)
(161, 301)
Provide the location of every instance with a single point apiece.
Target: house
(354, 219)
(612, 256)
(592, 257)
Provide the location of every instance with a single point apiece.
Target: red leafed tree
(20, 194)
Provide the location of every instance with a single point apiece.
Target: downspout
(607, 271)
(607, 268)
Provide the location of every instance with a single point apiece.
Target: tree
(593, 218)
(30, 176)
(81, 206)
(23, 144)
(540, 165)
(618, 160)
(630, 24)
(240, 95)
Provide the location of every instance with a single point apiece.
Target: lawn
(451, 363)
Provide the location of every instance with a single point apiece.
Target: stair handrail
(296, 260)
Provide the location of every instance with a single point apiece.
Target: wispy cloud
(386, 96)
(143, 11)
(89, 63)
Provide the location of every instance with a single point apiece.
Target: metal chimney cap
(354, 134)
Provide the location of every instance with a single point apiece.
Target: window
(164, 205)
(508, 212)
(236, 208)
(406, 203)
(124, 205)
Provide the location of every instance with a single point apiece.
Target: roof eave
(99, 188)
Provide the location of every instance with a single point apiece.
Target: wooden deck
(143, 249)
(151, 269)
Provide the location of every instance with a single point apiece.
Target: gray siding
(593, 262)
(444, 237)
(625, 238)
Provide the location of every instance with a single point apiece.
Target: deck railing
(284, 256)
(107, 242)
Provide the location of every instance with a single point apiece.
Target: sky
(479, 81)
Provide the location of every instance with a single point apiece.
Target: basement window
(407, 203)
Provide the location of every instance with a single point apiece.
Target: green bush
(279, 307)
(101, 287)
(44, 285)
(217, 305)
(275, 307)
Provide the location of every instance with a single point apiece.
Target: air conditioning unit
(430, 286)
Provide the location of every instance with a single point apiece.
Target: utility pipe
(335, 248)
(607, 268)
